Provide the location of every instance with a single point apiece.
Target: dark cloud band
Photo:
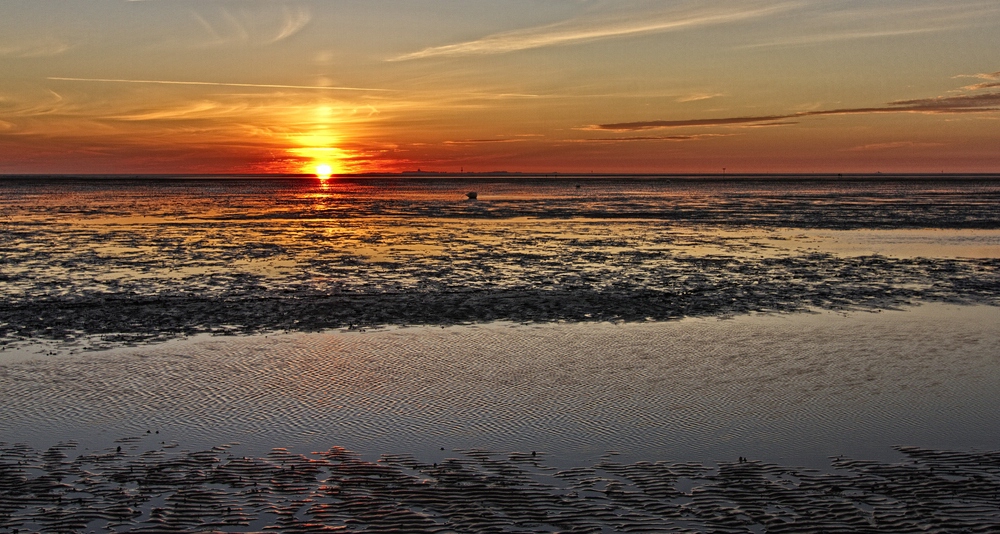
(987, 102)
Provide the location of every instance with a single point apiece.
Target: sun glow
(323, 145)
(319, 152)
(321, 160)
(323, 171)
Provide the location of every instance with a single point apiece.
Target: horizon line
(513, 174)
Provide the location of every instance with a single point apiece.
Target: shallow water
(791, 389)
(565, 399)
(99, 263)
(150, 259)
(946, 201)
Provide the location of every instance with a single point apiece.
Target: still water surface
(791, 389)
(87, 260)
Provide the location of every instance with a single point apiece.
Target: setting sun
(323, 171)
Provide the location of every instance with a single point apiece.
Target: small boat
(472, 195)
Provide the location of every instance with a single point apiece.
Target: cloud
(843, 36)
(54, 104)
(770, 124)
(984, 85)
(831, 22)
(220, 84)
(493, 96)
(982, 75)
(950, 104)
(264, 26)
(991, 77)
(693, 137)
(195, 110)
(648, 125)
(479, 141)
(294, 20)
(694, 97)
(892, 145)
(45, 48)
(986, 102)
(591, 29)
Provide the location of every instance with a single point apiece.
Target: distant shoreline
(514, 175)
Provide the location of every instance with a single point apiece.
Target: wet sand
(859, 421)
(131, 490)
(592, 359)
(638, 272)
(148, 260)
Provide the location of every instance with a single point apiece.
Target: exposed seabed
(130, 489)
(630, 355)
(859, 421)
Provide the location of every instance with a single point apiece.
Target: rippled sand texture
(154, 259)
(135, 489)
(787, 389)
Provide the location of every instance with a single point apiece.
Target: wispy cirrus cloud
(979, 103)
(993, 80)
(675, 138)
(892, 146)
(984, 85)
(52, 103)
(38, 48)
(722, 121)
(832, 22)
(263, 26)
(294, 20)
(844, 36)
(194, 110)
(694, 97)
(982, 75)
(596, 28)
(219, 84)
(482, 141)
(950, 104)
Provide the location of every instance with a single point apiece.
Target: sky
(670, 86)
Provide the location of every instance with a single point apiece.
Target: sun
(323, 171)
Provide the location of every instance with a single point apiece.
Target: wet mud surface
(788, 285)
(146, 260)
(141, 485)
(872, 201)
(577, 282)
(96, 264)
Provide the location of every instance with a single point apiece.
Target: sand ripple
(769, 386)
(136, 489)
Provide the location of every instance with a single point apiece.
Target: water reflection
(688, 248)
(761, 203)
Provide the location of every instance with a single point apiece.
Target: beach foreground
(214, 490)
(862, 421)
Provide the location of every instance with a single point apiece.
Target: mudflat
(877, 420)
(673, 354)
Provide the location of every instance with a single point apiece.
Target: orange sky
(203, 86)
